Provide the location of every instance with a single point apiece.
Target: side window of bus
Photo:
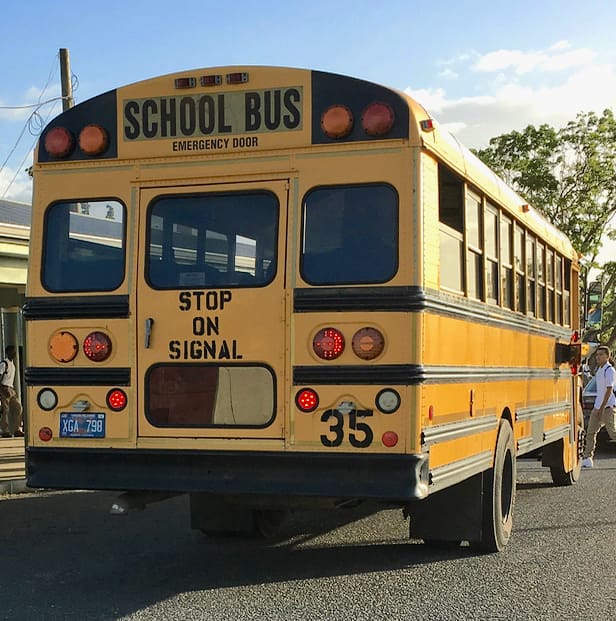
(350, 235)
(219, 240)
(84, 246)
(451, 218)
(474, 235)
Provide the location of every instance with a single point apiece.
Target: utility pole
(65, 76)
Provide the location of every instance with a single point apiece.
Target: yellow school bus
(272, 288)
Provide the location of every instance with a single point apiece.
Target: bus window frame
(303, 233)
(45, 243)
(174, 195)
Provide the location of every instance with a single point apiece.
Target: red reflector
(377, 119)
(328, 343)
(430, 412)
(185, 82)
(337, 121)
(237, 78)
(45, 434)
(97, 346)
(211, 80)
(116, 399)
(58, 142)
(93, 140)
(390, 438)
(307, 400)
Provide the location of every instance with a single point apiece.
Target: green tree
(568, 174)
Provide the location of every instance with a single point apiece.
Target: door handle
(149, 322)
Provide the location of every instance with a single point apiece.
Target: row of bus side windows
(487, 255)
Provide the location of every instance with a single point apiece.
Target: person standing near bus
(11, 418)
(603, 410)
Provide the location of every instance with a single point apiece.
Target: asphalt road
(62, 556)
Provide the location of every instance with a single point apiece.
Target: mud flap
(452, 514)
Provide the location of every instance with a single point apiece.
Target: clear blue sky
(481, 67)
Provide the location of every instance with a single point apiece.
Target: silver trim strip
(551, 435)
(459, 429)
(450, 474)
(536, 412)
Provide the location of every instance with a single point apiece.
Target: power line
(34, 122)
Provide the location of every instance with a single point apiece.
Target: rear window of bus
(218, 239)
(350, 235)
(84, 246)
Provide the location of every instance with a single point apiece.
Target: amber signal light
(337, 121)
(63, 346)
(93, 140)
(368, 343)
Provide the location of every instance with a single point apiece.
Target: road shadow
(83, 563)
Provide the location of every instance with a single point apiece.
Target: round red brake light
(116, 399)
(97, 346)
(58, 142)
(307, 400)
(328, 343)
(377, 119)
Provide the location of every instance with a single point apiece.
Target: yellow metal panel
(429, 202)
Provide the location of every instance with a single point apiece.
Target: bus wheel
(268, 522)
(499, 494)
(562, 477)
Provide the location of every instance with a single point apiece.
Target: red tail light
(328, 343)
(97, 346)
(116, 399)
(307, 400)
(377, 119)
(58, 142)
(45, 434)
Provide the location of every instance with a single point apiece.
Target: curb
(17, 486)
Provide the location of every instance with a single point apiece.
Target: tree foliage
(569, 174)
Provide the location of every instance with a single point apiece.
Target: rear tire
(562, 477)
(499, 494)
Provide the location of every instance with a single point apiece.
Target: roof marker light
(337, 121)
(210, 80)
(185, 82)
(237, 78)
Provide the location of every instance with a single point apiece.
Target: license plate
(82, 425)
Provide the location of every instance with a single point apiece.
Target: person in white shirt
(11, 417)
(603, 409)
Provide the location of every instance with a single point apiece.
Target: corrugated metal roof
(14, 212)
